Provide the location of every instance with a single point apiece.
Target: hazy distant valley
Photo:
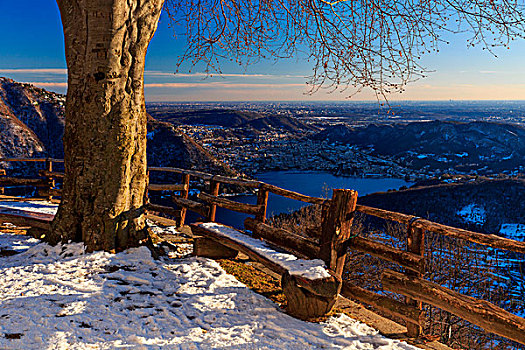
(361, 139)
(258, 137)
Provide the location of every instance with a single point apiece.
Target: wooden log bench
(310, 288)
(19, 217)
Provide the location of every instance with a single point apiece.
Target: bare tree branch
(354, 44)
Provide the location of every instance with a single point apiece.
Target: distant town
(362, 139)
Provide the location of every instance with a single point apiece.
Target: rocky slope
(32, 125)
(31, 121)
(168, 147)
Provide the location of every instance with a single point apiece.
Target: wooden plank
(195, 173)
(22, 159)
(210, 248)
(214, 190)
(26, 218)
(167, 187)
(283, 238)
(163, 209)
(479, 312)
(15, 181)
(380, 302)
(238, 182)
(320, 286)
(198, 230)
(160, 220)
(262, 200)
(408, 260)
(313, 231)
(385, 214)
(184, 194)
(196, 207)
(415, 244)
(337, 228)
(51, 174)
(46, 192)
(209, 177)
(294, 195)
(252, 209)
(480, 238)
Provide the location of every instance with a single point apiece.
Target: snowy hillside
(61, 298)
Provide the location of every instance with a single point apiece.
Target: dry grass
(256, 280)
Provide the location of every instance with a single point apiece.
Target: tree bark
(105, 132)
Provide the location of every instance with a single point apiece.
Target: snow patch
(513, 231)
(311, 269)
(63, 298)
(151, 134)
(36, 206)
(472, 214)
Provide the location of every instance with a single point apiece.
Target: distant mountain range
(228, 118)
(460, 146)
(32, 125)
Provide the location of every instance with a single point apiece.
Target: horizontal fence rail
(32, 160)
(490, 240)
(332, 240)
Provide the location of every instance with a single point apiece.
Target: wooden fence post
(184, 194)
(2, 173)
(51, 181)
(214, 191)
(146, 193)
(336, 229)
(415, 244)
(262, 199)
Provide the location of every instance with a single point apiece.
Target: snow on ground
(473, 214)
(38, 206)
(513, 231)
(62, 298)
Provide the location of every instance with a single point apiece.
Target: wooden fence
(335, 240)
(45, 182)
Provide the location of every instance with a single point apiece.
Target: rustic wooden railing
(335, 240)
(45, 183)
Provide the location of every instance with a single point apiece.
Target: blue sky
(33, 51)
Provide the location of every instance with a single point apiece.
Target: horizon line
(338, 101)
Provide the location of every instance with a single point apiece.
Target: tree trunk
(105, 133)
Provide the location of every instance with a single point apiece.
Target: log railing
(418, 290)
(45, 183)
(335, 240)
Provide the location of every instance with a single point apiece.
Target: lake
(311, 183)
